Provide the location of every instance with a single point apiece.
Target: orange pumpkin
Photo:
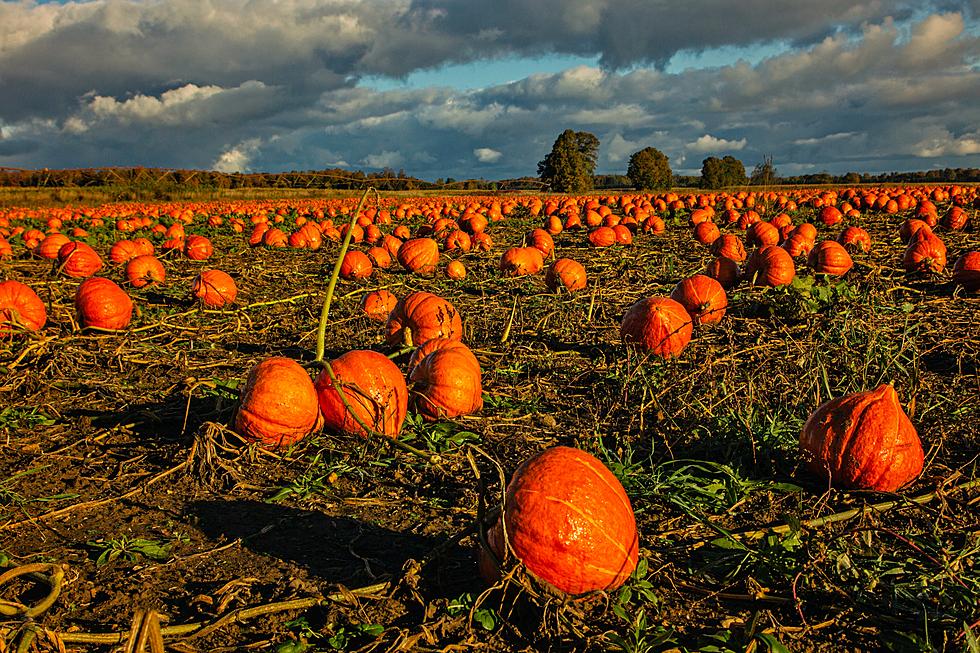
(704, 298)
(863, 441)
(49, 247)
(521, 261)
(447, 382)
(214, 289)
(730, 246)
(925, 253)
(198, 248)
(144, 270)
(456, 270)
(762, 233)
(374, 389)
(855, 239)
(659, 325)
(20, 308)
(966, 271)
(541, 240)
(566, 273)
(706, 233)
(602, 237)
(425, 316)
(724, 271)
(569, 522)
(102, 304)
(356, 265)
(830, 257)
(78, 260)
(419, 255)
(378, 304)
(770, 266)
(278, 405)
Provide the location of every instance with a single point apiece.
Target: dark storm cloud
(262, 85)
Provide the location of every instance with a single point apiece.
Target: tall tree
(569, 167)
(765, 173)
(649, 168)
(721, 173)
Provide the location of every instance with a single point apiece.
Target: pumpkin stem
(321, 332)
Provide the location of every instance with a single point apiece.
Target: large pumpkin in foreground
(373, 387)
(102, 304)
(278, 405)
(425, 316)
(569, 521)
(863, 441)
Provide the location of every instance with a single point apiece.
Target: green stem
(321, 333)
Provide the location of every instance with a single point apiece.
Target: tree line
(568, 168)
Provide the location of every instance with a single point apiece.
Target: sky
(474, 88)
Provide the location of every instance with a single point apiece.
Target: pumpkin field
(683, 421)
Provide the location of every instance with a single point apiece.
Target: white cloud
(384, 159)
(838, 136)
(946, 144)
(237, 158)
(709, 143)
(487, 155)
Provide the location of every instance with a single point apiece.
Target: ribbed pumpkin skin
(863, 441)
(51, 245)
(215, 289)
(770, 266)
(78, 260)
(704, 298)
(724, 271)
(278, 405)
(966, 271)
(570, 522)
(198, 248)
(521, 261)
(730, 246)
(427, 316)
(19, 305)
(419, 255)
(925, 253)
(566, 273)
(356, 265)
(448, 382)
(659, 325)
(375, 389)
(378, 304)
(830, 257)
(102, 304)
(145, 269)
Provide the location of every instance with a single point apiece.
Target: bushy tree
(649, 169)
(721, 173)
(569, 167)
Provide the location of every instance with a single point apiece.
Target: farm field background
(123, 473)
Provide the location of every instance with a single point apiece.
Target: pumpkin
(426, 316)
(925, 253)
(569, 522)
(458, 240)
(419, 255)
(278, 405)
(274, 237)
(447, 382)
(541, 240)
(762, 233)
(102, 304)
(807, 230)
(49, 247)
(5, 249)
(659, 325)
(78, 260)
(706, 233)
(623, 235)
(955, 218)
(856, 239)
(123, 251)
(830, 215)
(798, 245)
(482, 241)
(144, 270)
(214, 289)
(863, 441)
(356, 265)
(372, 386)
(966, 271)
(910, 228)
(602, 237)
(198, 248)
(730, 246)
(830, 257)
(380, 257)
(566, 273)
(521, 261)
(20, 307)
(702, 297)
(456, 270)
(724, 271)
(770, 266)
(378, 304)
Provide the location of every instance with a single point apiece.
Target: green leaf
(773, 644)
